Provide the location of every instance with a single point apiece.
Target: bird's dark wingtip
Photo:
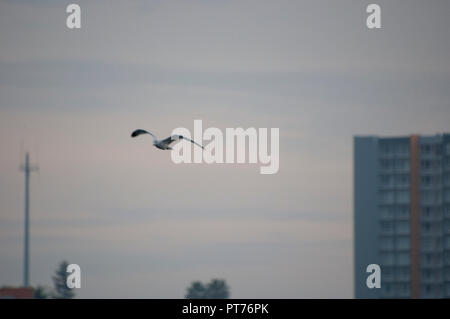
(136, 133)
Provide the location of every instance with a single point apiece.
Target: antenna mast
(26, 262)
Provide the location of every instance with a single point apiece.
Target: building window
(447, 177)
(403, 243)
(387, 227)
(387, 258)
(425, 149)
(387, 243)
(425, 180)
(447, 195)
(447, 149)
(402, 180)
(402, 211)
(425, 164)
(403, 259)
(403, 197)
(386, 180)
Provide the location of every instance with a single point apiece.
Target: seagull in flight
(165, 143)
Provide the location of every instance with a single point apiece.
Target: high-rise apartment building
(402, 215)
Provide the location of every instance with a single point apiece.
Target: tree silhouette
(196, 291)
(41, 292)
(60, 282)
(215, 289)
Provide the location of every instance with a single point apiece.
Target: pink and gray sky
(141, 226)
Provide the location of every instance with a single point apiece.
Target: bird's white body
(161, 145)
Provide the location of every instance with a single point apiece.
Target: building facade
(16, 293)
(402, 215)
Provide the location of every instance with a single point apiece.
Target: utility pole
(26, 262)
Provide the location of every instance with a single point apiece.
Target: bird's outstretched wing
(140, 132)
(181, 137)
(174, 138)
